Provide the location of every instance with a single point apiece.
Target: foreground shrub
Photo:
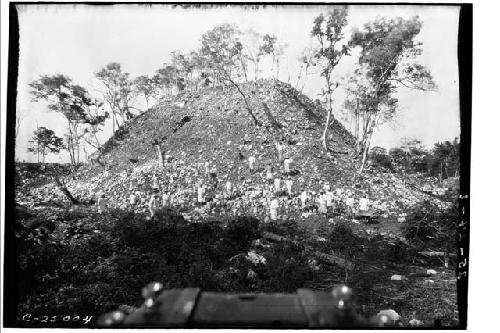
(344, 240)
(382, 160)
(241, 231)
(430, 226)
(38, 252)
(136, 231)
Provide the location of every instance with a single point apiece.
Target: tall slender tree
(328, 33)
(119, 93)
(388, 51)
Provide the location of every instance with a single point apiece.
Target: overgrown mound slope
(213, 125)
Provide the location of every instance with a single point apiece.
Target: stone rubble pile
(213, 142)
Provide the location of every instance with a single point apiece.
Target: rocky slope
(212, 127)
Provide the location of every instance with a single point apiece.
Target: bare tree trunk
(356, 129)
(249, 109)
(366, 150)
(305, 78)
(299, 76)
(441, 172)
(70, 146)
(367, 143)
(113, 122)
(65, 191)
(160, 156)
(329, 115)
(325, 131)
(276, 125)
(77, 146)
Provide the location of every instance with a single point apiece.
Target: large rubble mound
(210, 130)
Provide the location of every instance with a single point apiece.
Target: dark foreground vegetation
(76, 262)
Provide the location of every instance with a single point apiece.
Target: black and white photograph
(257, 165)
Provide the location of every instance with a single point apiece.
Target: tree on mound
(119, 93)
(222, 50)
(328, 32)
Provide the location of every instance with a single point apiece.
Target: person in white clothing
(269, 173)
(279, 147)
(277, 184)
(102, 204)
(287, 163)
(154, 204)
(201, 195)
(329, 200)
(132, 199)
(288, 184)
(207, 168)
(364, 204)
(156, 183)
(251, 163)
(273, 206)
(229, 189)
(165, 199)
(303, 199)
(322, 203)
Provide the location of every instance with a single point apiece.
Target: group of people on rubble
(278, 192)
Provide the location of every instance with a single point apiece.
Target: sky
(78, 40)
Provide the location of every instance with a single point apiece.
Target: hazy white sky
(78, 40)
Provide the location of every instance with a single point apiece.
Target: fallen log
(333, 259)
(437, 254)
(329, 258)
(65, 191)
(274, 237)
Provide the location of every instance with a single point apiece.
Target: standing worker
(277, 184)
(269, 173)
(288, 161)
(156, 183)
(322, 203)
(303, 199)
(229, 189)
(201, 195)
(364, 204)
(154, 204)
(288, 184)
(102, 204)
(274, 205)
(329, 199)
(279, 147)
(251, 163)
(165, 199)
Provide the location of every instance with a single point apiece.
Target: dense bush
(136, 231)
(241, 231)
(344, 240)
(282, 227)
(430, 226)
(287, 268)
(382, 160)
(38, 251)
